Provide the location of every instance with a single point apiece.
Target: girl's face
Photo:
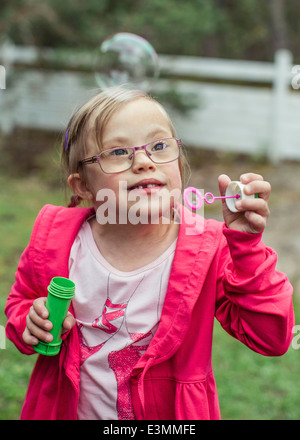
(135, 124)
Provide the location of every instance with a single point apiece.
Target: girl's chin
(148, 213)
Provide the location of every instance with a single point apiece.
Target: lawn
(250, 386)
(20, 201)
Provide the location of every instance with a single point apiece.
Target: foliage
(219, 28)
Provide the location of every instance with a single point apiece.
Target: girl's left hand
(253, 213)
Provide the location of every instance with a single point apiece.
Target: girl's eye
(119, 152)
(160, 146)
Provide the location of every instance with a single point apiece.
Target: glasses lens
(116, 160)
(120, 159)
(163, 150)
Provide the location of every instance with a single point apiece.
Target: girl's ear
(79, 187)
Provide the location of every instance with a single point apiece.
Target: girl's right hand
(38, 326)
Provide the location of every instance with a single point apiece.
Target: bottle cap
(235, 188)
(48, 348)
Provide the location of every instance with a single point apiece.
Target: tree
(277, 8)
(249, 29)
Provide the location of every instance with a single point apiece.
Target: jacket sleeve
(254, 300)
(23, 292)
(18, 303)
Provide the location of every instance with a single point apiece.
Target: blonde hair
(92, 117)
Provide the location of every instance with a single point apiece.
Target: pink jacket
(218, 273)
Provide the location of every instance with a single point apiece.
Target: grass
(250, 386)
(255, 387)
(20, 201)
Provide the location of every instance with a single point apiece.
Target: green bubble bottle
(60, 293)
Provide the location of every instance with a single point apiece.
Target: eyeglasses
(119, 159)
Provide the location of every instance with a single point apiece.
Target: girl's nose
(142, 162)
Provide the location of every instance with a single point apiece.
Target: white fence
(243, 106)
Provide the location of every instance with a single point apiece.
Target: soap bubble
(128, 60)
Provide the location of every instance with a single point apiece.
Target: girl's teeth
(151, 185)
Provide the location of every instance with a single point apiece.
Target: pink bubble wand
(208, 197)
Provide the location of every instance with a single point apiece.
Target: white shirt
(117, 315)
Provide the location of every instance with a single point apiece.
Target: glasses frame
(96, 158)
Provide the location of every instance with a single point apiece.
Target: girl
(137, 341)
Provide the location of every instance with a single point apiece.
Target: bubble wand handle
(237, 196)
(235, 190)
(209, 198)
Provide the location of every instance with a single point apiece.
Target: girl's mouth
(147, 186)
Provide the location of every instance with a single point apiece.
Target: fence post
(7, 100)
(281, 84)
